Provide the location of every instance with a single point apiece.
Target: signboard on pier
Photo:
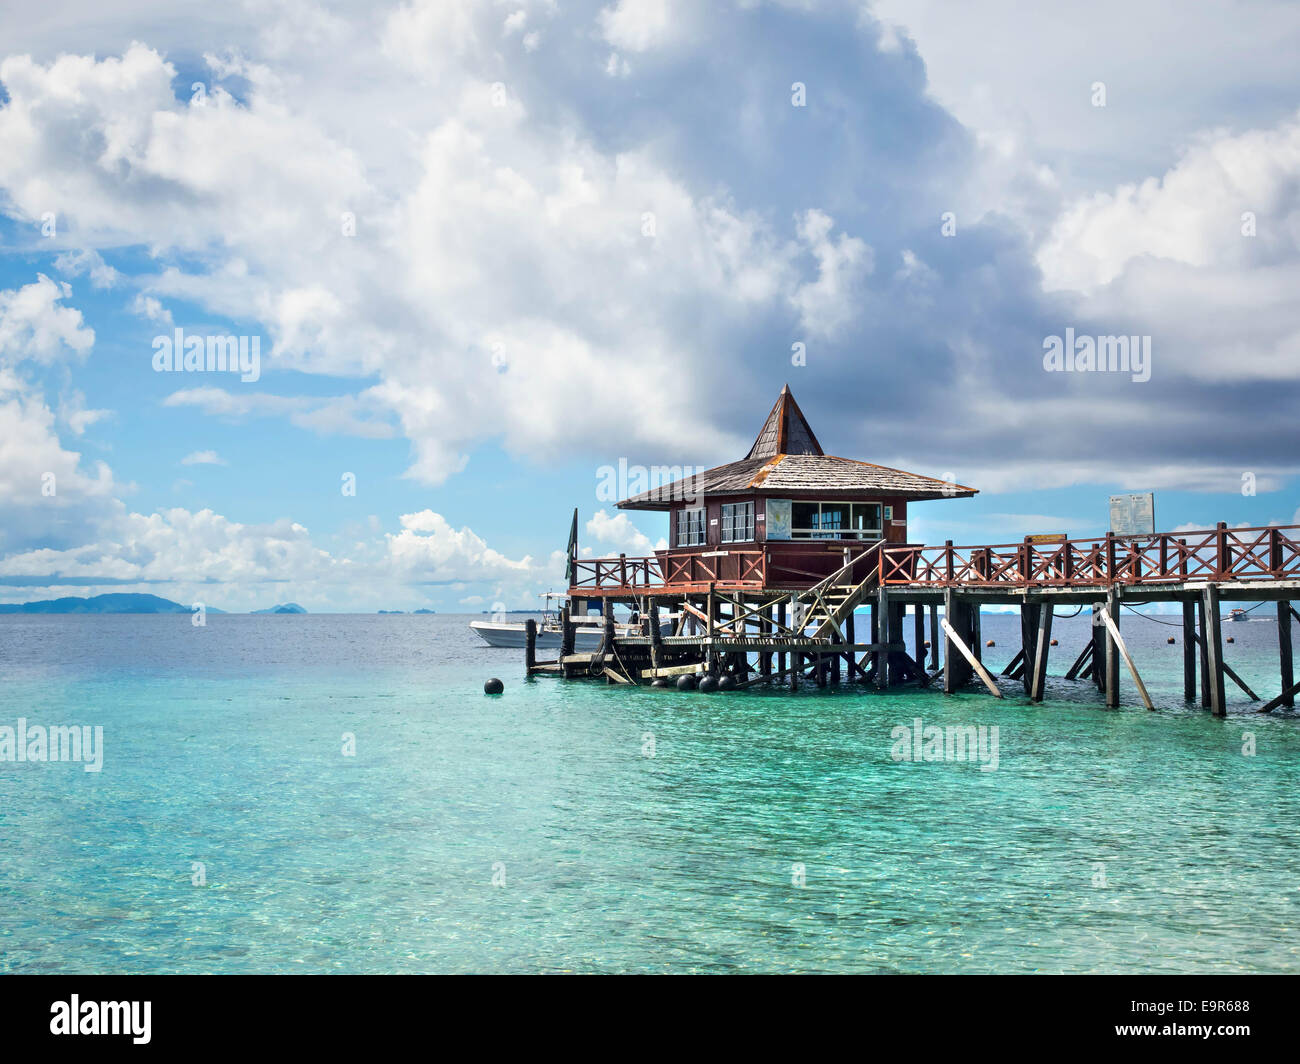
(1133, 515)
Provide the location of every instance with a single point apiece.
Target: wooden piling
(656, 637)
(1214, 649)
(1113, 630)
(1112, 651)
(957, 668)
(1284, 652)
(530, 646)
(780, 622)
(956, 641)
(1029, 615)
(1042, 643)
(1204, 654)
(886, 636)
(1189, 651)
(934, 637)
(1098, 647)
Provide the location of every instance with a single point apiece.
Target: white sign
(1133, 515)
(779, 512)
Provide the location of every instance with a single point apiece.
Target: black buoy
(1055, 643)
(659, 682)
(1170, 639)
(494, 687)
(686, 682)
(1229, 640)
(990, 643)
(708, 683)
(727, 682)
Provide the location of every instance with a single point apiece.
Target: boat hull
(507, 634)
(496, 634)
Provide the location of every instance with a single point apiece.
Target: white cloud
(202, 458)
(34, 326)
(428, 548)
(76, 263)
(1193, 215)
(638, 25)
(618, 535)
(829, 303)
(151, 309)
(1174, 258)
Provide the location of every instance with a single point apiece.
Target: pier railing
(731, 568)
(594, 574)
(1222, 553)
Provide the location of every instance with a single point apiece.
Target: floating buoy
(1170, 639)
(1230, 639)
(493, 687)
(1055, 643)
(990, 643)
(927, 644)
(708, 683)
(727, 682)
(659, 682)
(686, 683)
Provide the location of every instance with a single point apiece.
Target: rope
(626, 671)
(1177, 624)
(1067, 616)
(1154, 620)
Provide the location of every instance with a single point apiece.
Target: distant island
(100, 604)
(391, 612)
(122, 603)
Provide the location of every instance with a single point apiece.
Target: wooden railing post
(1224, 559)
(622, 570)
(1182, 558)
(1275, 552)
(948, 570)
(1111, 575)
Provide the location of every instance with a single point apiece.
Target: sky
(486, 251)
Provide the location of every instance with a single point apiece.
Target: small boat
(1237, 614)
(587, 635)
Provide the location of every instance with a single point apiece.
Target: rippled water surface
(1104, 841)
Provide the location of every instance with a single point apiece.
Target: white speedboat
(510, 634)
(587, 635)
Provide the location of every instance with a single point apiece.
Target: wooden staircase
(830, 602)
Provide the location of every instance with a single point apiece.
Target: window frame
(868, 534)
(687, 530)
(727, 522)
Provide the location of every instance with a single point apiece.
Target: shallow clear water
(223, 745)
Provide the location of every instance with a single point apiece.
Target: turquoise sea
(533, 833)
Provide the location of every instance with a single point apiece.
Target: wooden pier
(770, 583)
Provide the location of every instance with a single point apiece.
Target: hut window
(690, 527)
(835, 520)
(737, 522)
